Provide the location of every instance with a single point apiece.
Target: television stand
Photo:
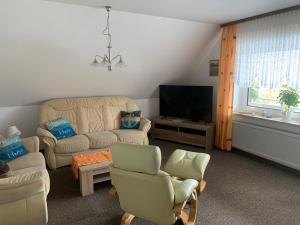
(183, 131)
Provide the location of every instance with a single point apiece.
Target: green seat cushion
(187, 165)
(183, 189)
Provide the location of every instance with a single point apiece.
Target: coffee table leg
(86, 183)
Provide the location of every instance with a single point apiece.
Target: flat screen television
(188, 102)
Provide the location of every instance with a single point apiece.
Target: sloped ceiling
(46, 48)
(211, 11)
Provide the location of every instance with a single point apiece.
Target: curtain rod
(295, 7)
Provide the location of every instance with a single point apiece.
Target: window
(265, 98)
(267, 56)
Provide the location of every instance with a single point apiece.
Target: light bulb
(121, 63)
(95, 62)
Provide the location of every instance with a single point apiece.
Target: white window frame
(241, 105)
(263, 106)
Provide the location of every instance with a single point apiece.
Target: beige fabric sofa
(97, 124)
(23, 194)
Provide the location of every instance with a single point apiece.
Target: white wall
(199, 72)
(46, 48)
(26, 117)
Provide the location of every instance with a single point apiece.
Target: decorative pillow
(60, 128)
(130, 120)
(11, 148)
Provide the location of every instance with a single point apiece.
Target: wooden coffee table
(92, 174)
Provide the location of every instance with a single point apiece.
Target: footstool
(188, 165)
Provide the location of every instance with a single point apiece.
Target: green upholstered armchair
(147, 192)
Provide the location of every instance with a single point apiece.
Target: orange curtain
(223, 137)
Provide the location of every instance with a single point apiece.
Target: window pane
(264, 98)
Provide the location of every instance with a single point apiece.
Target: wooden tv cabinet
(183, 131)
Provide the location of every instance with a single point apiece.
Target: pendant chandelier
(107, 59)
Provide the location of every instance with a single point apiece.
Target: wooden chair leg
(193, 209)
(113, 191)
(201, 186)
(188, 219)
(126, 219)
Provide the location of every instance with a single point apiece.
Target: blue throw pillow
(11, 148)
(61, 128)
(130, 120)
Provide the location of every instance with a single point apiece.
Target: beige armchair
(147, 192)
(23, 193)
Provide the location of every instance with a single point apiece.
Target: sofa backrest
(90, 114)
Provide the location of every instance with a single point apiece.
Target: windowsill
(277, 123)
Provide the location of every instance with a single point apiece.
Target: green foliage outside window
(253, 92)
(284, 97)
(288, 97)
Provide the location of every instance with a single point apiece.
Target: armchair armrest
(32, 144)
(46, 136)
(145, 125)
(183, 189)
(22, 186)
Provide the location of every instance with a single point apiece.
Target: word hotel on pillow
(11, 148)
(61, 128)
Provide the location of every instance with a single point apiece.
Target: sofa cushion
(183, 189)
(101, 139)
(24, 177)
(73, 144)
(131, 136)
(90, 119)
(35, 159)
(187, 164)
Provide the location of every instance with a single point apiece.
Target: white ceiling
(210, 11)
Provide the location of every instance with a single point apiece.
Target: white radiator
(276, 145)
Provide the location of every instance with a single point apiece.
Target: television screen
(189, 102)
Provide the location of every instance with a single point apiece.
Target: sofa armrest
(32, 144)
(46, 136)
(183, 189)
(145, 125)
(22, 186)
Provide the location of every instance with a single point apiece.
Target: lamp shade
(121, 63)
(12, 131)
(95, 62)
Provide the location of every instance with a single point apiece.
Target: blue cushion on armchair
(11, 148)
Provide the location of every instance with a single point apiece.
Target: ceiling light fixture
(107, 59)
